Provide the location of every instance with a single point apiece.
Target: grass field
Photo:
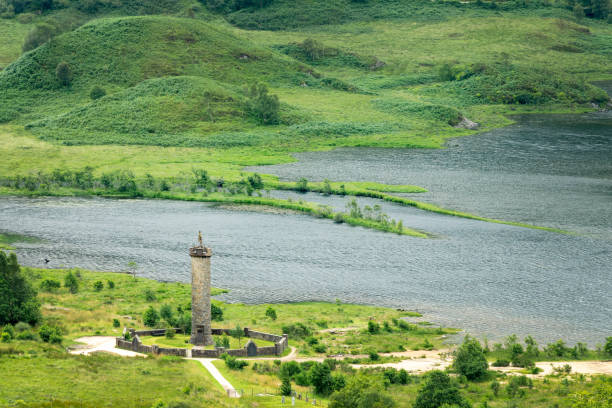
(47, 374)
(91, 312)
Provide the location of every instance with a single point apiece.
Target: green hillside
(383, 73)
(162, 111)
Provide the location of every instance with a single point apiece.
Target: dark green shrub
(50, 285)
(116, 323)
(319, 348)
(297, 330)
(5, 337)
(149, 295)
(301, 185)
(150, 317)
(373, 327)
(373, 355)
(312, 341)
(26, 335)
(170, 333)
(50, 334)
(216, 313)
(271, 313)
(289, 369)
(222, 342)
(501, 363)
(9, 330)
(71, 282)
(255, 181)
(98, 286)
(97, 92)
(234, 363)
(302, 379)
(63, 72)
(110, 284)
(262, 106)
(39, 35)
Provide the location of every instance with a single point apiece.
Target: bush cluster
(18, 302)
(234, 363)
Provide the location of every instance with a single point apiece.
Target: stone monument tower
(201, 334)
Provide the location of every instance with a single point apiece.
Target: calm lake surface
(490, 279)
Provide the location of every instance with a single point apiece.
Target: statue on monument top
(200, 238)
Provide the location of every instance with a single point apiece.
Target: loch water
(489, 279)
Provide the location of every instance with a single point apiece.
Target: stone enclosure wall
(249, 350)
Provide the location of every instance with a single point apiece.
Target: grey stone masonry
(201, 334)
(249, 350)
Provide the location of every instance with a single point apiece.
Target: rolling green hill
(385, 73)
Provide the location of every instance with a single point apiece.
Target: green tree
(470, 359)
(63, 72)
(438, 390)
(18, 301)
(285, 388)
(71, 282)
(608, 346)
(49, 285)
(495, 387)
(237, 333)
(150, 317)
(321, 379)
(165, 311)
(39, 35)
(600, 8)
(262, 106)
(271, 313)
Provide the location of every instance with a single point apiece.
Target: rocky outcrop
(467, 124)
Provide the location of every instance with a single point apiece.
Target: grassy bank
(249, 190)
(7, 239)
(92, 312)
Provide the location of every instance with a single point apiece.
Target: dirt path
(101, 344)
(582, 367)
(229, 388)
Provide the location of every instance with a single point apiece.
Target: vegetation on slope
(388, 73)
